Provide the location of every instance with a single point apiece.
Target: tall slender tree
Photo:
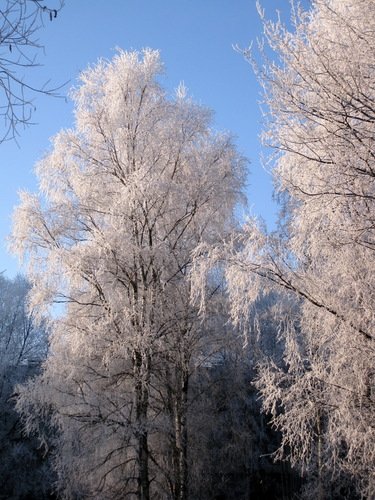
(126, 197)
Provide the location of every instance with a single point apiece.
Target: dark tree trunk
(181, 434)
(141, 370)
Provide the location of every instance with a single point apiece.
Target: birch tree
(319, 110)
(125, 199)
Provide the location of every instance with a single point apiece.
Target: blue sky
(196, 39)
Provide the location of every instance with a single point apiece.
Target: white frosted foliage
(319, 110)
(125, 199)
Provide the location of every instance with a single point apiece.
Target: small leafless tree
(20, 21)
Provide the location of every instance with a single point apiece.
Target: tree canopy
(133, 233)
(126, 197)
(319, 102)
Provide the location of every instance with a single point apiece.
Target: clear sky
(196, 39)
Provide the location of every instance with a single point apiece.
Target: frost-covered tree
(21, 341)
(319, 106)
(23, 347)
(125, 199)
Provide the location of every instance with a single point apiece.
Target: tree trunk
(181, 435)
(320, 464)
(141, 402)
